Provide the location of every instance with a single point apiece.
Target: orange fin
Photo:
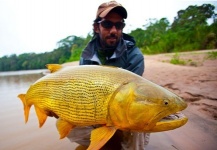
(100, 136)
(42, 116)
(53, 67)
(25, 106)
(64, 128)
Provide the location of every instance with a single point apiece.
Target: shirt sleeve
(135, 61)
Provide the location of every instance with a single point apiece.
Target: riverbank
(196, 82)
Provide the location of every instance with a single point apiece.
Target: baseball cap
(106, 7)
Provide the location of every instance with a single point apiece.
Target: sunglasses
(108, 24)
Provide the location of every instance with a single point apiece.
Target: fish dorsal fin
(64, 127)
(53, 67)
(25, 106)
(42, 116)
(100, 136)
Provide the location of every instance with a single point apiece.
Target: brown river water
(14, 133)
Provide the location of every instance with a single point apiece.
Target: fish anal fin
(53, 67)
(42, 116)
(100, 136)
(25, 106)
(64, 127)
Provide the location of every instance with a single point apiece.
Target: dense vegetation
(189, 31)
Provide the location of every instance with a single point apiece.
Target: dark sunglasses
(108, 24)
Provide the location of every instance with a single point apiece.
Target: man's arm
(135, 61)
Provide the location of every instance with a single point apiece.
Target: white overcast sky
(37, 25)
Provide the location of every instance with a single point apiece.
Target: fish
(112, 97)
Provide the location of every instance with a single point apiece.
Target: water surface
(15, 134)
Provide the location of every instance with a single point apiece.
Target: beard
(110, 41)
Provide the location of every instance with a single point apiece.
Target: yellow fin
(100, 136)
(53, 67)
(25, 106)
(42, 116)
(64, 127)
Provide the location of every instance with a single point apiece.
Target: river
(14, 133)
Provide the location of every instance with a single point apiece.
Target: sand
(196, 82)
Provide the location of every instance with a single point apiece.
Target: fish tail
(25, 106)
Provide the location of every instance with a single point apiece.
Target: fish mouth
(172, 117)
(170, 122)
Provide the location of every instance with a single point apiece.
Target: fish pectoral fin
(64, 127)
(53, 67)
(25, 106)
(100, 136)
(42, 116)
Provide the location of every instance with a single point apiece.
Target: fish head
(148, 107)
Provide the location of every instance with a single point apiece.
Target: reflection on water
(22, 72)
(18, 79)
(14, 83)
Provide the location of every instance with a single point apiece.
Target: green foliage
(76, 48)
(68, 49)
(148, 40)
(176, 60)
(211, 36)
(212, 55)
(189, 31)
(75, 53)
(139, 34)
(193, 16)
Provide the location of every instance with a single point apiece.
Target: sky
(28, 26)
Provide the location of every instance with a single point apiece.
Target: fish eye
(166, 102)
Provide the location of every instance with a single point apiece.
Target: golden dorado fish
(97, 95)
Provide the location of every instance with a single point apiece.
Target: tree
(191, 26)
(139, 36)
(193, 16)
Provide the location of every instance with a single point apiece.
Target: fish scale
(86, 98)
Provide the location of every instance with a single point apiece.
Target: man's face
(109, 37)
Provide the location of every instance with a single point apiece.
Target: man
(110, 46)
